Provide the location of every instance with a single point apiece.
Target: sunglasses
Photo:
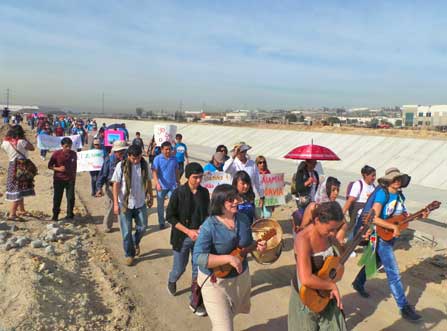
(262, 162)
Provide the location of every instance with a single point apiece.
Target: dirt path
(91, 289)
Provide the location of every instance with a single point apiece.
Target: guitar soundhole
(332, 274)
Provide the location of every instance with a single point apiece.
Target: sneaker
(360, 290)
(352, 255)
(381, 269)
(162, 226)
(409, 314)
(129, 261)
(200, 311)
(172, 288)
(137, 251)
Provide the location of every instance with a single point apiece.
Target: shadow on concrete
(275, 324)
(153, 255)
(414, 279)
(432, 317)
(269, 279)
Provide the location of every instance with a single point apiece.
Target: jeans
(129, 240)
(181, 259)
(94, 178)
(59, 187)
(181, 169)
(161, 204)
(43, 152)
(388, 260)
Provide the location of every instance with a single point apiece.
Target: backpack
(349, 187)
(369, 204)
(293, 185)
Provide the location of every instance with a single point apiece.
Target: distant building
(20, 108)
(424, 116)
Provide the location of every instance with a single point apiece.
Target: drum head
(274, 245)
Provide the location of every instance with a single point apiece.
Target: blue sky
(224, 54)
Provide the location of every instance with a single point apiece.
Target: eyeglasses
(262, 162)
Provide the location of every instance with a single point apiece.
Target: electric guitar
(223, 270)
(403, 220)
(333, 269)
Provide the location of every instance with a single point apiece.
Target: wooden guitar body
(223, 271)
(387, 234)
(403, 220)
(317, 300)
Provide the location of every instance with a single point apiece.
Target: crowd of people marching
(207, 229)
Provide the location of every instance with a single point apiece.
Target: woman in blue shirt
(242, 183)
(389, 201)
(221, 233)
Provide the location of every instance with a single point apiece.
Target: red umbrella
(312, 152)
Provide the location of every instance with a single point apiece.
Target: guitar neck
(414, 216)
(354, 243)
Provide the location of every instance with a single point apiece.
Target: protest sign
(212, 179)
(112, 135)
(90, 160)
(273, 190)
(53, 143)
(164, 133)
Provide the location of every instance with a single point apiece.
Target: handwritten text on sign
(212, 179)
(164, 133)
(273, 189)
(90, 160)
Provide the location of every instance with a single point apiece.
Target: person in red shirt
(59, 131)
(63, 162)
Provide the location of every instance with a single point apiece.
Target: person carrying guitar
(312, 246)
(222, 232)
(389, 201)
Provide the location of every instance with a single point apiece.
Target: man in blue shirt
(165, 172)
(181, 153)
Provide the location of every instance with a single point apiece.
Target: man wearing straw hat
(388, 202)
(239, 160)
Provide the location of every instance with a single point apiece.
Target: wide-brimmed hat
(242, 146)
(392, 174)
(119, 145)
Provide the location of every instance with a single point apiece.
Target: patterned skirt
(16, 190)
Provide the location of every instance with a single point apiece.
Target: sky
(218, 55)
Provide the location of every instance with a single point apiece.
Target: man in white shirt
(240, 161)
(132, 190)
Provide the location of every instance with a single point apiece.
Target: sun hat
(242, 146)
(119, 145)
(393, 173)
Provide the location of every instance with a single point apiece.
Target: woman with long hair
(16, 146)
(313, 246)
(222, 232)
(242, 183)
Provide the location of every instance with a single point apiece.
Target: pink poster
(111, 135)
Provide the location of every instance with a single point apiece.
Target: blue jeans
(129, 240)
(386, 258)
(181, 259)
(161, 204)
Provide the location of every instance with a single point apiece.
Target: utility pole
(7, 98)
(103, 103)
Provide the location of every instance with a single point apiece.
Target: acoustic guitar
(402, 221)
(333, 269)
(223, 270)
